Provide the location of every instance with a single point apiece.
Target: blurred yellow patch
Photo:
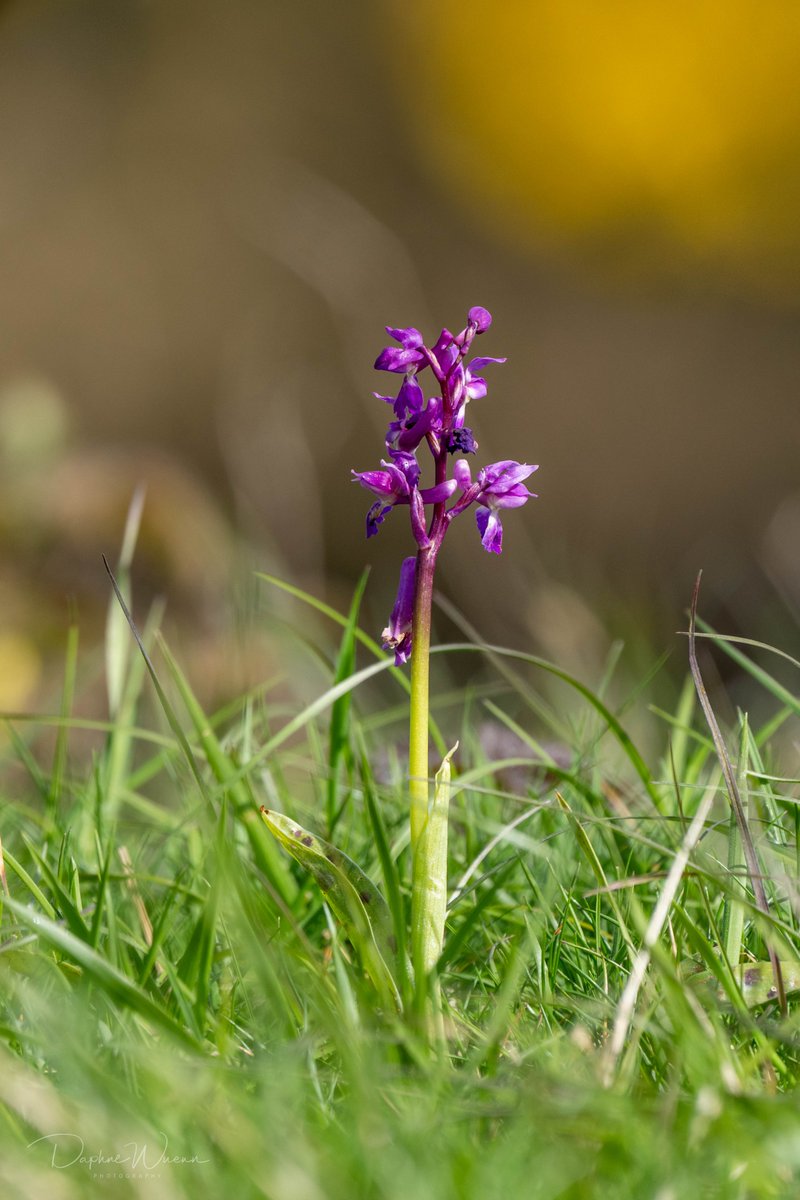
(20, 671)
(669, 126)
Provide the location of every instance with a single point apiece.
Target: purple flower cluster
(439, 422)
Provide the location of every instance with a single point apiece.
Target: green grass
(169, 975)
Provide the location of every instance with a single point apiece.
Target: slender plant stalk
(420, 671)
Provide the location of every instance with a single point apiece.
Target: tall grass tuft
(186, 1008)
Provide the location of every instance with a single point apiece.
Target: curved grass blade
(614, 726)
(67, 698)
(389, 869)
(732, 787)
(117, 641)
(233, 781)
(361, 637)
(339, 725)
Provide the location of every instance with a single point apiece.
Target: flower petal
(379, 482)
(419, 425)
(410, 398)
(445, 350)
(498, 478)
(376, 516)
(406, 463)
(477, 364)
(397, 634)
(399, 360)
(409, 338)
(515, 498)
(490, 529)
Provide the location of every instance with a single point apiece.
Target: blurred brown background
(208, 211)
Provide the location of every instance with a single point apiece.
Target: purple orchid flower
(397, 484)
(409, 400)
(411, 355)
(397, 634)
(498, 486)
(474, 384)
(407, 434)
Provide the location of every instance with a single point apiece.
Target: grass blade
(338, 729)
(108, 978)
(733, 790)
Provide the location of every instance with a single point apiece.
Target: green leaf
(352, 896)
(429, 889)
(756, 980)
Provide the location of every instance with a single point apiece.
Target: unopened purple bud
(462, 474)
(397, 634)
(481, 318)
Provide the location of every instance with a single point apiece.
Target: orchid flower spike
(438, 423)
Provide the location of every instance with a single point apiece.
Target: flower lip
(490, 528)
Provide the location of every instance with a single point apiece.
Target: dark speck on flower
(461, 441)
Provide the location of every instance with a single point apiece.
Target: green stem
(428, 845)
(418, 727)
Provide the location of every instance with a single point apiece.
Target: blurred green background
(209, 211)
